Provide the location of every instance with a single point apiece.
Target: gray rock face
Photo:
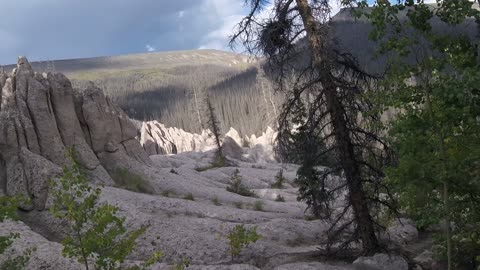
(41, 116)
(381, 261)
(403, 231)
(309, 266)
(46, 255)
(231, 149)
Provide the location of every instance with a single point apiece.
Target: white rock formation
(160, 140)
(156, 138)
(41, 116)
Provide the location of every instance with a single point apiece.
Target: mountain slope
(162, 86)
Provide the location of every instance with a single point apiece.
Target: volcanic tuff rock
(157, 139)
(41, 116)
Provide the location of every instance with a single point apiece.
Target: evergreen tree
(331, 88)
(214, 126)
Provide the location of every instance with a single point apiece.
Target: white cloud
(180, 14)
(225, 14)
(150, 48)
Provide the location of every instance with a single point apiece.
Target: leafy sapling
(98, 235)
(8, 211)
(240, 238)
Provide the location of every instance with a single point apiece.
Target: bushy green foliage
(8, 211)
(436, 131)
(279, 198)
(279, 180)
(236, 185)
(312, 190)
(98, 234)
(131, 181)
(258, 206)
(309, 151)
(240, 237)
(183, 264)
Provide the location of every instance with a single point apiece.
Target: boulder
(381, 261)
(403, 231)
(231, 149)
(234, 135)
(425, 260)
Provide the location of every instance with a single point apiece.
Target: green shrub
(183, 264)
(216, 201)
(279, 180)
(240, 237)
(8, 211)
(125, 179)
(258, 206)
(218, 162)
(236, 186)
(279, 198)
(189, 197)
(99, 236)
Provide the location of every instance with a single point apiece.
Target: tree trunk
(197, 107)
(358, 200)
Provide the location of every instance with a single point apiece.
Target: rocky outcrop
(157, 139)
(41, 116)
(381, 261)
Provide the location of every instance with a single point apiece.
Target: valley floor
(189, 214)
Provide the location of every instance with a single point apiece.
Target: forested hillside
(171, 87)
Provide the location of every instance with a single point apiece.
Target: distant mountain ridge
(141, 61)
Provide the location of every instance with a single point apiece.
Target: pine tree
(331, 87)
(214, 126)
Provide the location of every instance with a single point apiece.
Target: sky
(46, 30)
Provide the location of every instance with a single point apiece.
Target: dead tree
(330, 88)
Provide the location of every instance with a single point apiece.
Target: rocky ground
(196, 229)
(188, 210)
